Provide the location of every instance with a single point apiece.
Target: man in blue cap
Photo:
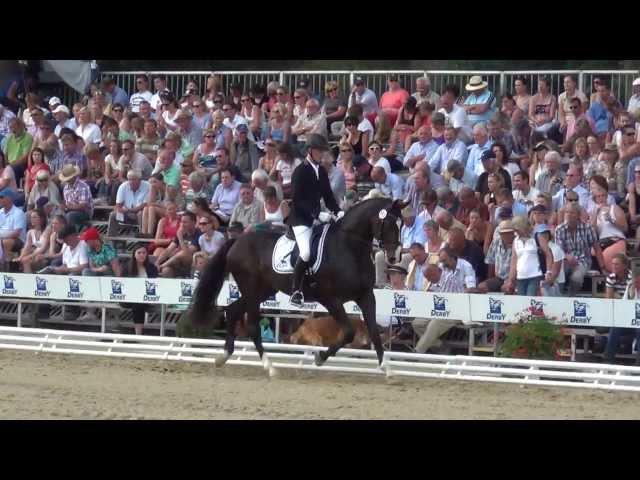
(13, 225)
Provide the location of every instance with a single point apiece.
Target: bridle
(379, 230)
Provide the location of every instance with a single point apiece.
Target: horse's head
(386, 228)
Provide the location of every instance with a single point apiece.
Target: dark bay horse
(346, 274)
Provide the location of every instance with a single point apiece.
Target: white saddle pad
(280, 260)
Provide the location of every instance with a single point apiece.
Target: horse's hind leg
(234, 313)
(368, 306)
(338, 313)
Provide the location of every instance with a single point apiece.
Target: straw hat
(68, 173)
(476, 83)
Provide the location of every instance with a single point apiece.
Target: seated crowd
(525, 194)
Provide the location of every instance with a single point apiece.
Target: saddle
(286, 251)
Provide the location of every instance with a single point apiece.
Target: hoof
(220, 361)
(319, 358)
(273, 372)
(266, 363)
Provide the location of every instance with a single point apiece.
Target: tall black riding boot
(297, 298)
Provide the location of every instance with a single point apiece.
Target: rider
(310, 183)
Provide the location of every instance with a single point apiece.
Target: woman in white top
(554, 278)
(609, 221)
(525, 271)
(284, 168)
(170, 110)
(274, 212)
(201, 115)
(252, 114)
(90, 132)
(211, 240)
(32, 256)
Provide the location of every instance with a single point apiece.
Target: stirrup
(297, 299)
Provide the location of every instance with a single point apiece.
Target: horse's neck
(359, 226)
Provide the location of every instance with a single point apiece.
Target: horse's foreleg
(234, 312)
(368, 306)
(337, 311)
(253, 327)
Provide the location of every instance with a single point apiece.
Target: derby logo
(186, 292)
(636, 321)
(400, 305)
(74, 289)
(536, 308)
(271, 302)
(116, 291)
(9, 286)
(150, 295)
(440, 307)
(495, 309)
(580, 313)
(41, 287)
(234, 293)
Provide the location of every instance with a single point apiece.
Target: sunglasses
(226, 109)
(245, 99)
(332, 90)
(374, 148)
(203, 223)
(343, 150)
(296, 97)
(572, 199)
(573, 107)
(280, 93)
(120, 110)
(196, 105)
(209, 136)
(126, 149)
(630, 134)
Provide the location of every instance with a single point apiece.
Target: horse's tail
(209, 285)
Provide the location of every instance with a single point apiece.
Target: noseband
(380, 228)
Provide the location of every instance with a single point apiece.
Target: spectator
(251, 111)
(542, 109)
(224, 163)
(226, 196)
(211, 240)
(200, 260)
(16, 147)
(248, 210)
(36, 164)
(405, 122)
(498, 260)
(455, 115)
(244, 152)
(509, 108)
(600, 110)
(429, 206)
(530, 260)
(393, 99)
(5, 116)
(7, 175)
(580, 153)
(504, 200)
(493, 171)
(78, 202)
(201, 116)
(74, 253)
(390, 185)
(467, 250)
(458, 176)
(424, 93)
(522, 97)
(572, 183)
(310, 122)
(166, 230)
(89, 131)
(552, 178)
(424, 149)
(61, 115)
(336, 178)
(345, 163)
(335, 106)
(279, 126)
(360, 95)
(232, 118)
(577, 238)
(189, 130)
(468, 202)
(298, 107)
(482, 144)
(198, 188)
(480, 105)
(610, 222)
(417, 184)
(358, 140)
(166, 116)
(139, 266)
(620, 282)
(415, 278)
(633, 106)
(433, 242)
(411, 234)
(578, 116)
(479, 230)
(396, 275)
(142, 95)
(554, 277)
(177, 259)
(260, 181)
(167, 166)
(95, 172)
(154, 205)
(118, 95)
(149, 143)
(633, 190)
(594, 162)
(130, 201)
(274, 213)
(365, 125)
(32, 257)
(103, 259)
(630, 151)
(565, 112)
(160, 85)
(452, 149)
(204, 156)
(43, 189)
(446, 222)
(447, 199)
(145, 113)
(437, 127)
(376, 159)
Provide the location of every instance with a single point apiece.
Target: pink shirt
(391, 102)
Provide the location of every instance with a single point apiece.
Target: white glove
(324, 217)
(340, 215)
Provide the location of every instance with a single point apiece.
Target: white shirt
(634, 104)
(76, 257)
(393, 186)
(455, 281)
(366, 127)
(419, 148)
(558, 256)
(130, 199)
(447, 152)
(14, 219)
(382, 162)
(90, 133)
(528, 264)
(425, 216)
(213, 245)
(137, 98)
(368, 100)
(558, 201)
(458, 119)
(519, 196)
(56, 131)
(286, 170)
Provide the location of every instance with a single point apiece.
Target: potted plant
(533, 336)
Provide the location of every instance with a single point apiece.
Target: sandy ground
(50, 386)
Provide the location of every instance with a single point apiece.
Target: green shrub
(533, 338)
(186, 329)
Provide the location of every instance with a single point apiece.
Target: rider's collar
(314, 165)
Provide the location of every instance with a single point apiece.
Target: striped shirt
(455, 281)
(578, 243)
(619, 286)
(79, 192)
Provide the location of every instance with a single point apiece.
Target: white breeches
(303, 239)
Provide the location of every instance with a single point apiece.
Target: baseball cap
(358, 81)
(487, 155)
(54, 101)
(90, 234)
(242, 128)
(7, 192)
(636, 82)
(61, 108)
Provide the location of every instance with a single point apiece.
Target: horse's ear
(398, 205)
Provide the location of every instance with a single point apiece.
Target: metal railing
(499, 81)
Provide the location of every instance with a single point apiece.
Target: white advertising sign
(626, 313)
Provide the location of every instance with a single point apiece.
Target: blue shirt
(120, 96)
(601, 117)
(227, 198)
(631, 169)
(419, 148)
(474, 160)
(457, 150)
(413, 234)
(485, 97)
(392, 187)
